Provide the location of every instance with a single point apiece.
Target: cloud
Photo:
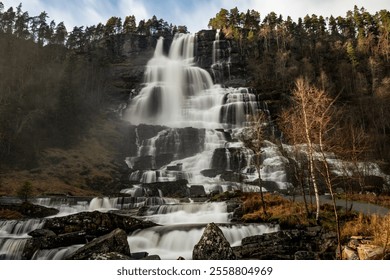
(133, 7)
(196, 18)
(300, 8)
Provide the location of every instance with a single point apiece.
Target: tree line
(38, 29)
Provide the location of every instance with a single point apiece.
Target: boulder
(197, 191)
(211, 173)
(370, 252)
(30, 210)
(310, 243)
(47, 239)
(231, 176)
(213, 245)
(95, 223)
(113, 245)
(349, 254)
(174, 189)
(42, 233)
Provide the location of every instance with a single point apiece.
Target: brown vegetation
(377, 227)
(75, 171)
(279, 209)
(289, 214)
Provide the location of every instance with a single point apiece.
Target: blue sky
(195, 14)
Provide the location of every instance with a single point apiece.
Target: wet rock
(111, 246)
(237, 214)
(110, 256)
(30, 210)
(144, 163)
(197, 191)
(213, 245)
(233, 159)
(232, 206)
(42, 233)
(205, 39)
(289, 245)
(164, 159)
(215, 190)
(47, 239)
(145, 131)
(174, 189)
(95, 223)
(139, 255)
(211, 173)
(231, 176)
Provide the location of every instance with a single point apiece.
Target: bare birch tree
(313, 114)
(253, 138)
(291, 132)
(304, 114)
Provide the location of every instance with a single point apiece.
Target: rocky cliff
(131, 52)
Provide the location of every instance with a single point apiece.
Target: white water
(221, 60)
(176, 94)
(171, 243)
(189, 213)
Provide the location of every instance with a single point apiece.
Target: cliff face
(225, 59)
(130, 53)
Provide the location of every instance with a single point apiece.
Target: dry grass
(376, 226)
(289, 214)
(280, 210)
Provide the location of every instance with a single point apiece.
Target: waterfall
(177, 93)
(220, 58)
(184, 127)
(196, 117)
(170, 80)
(172, 242)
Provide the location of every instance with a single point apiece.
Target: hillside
(60, 89)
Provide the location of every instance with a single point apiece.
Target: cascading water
(221, 58)
(184, 129)
(195, 115)
(193, 120)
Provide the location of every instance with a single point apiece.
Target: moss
(227, 196)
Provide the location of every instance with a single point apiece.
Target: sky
(195, 14)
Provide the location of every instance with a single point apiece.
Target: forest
(347, 57)
(325, 78)
(54, 81)
(53, 78)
